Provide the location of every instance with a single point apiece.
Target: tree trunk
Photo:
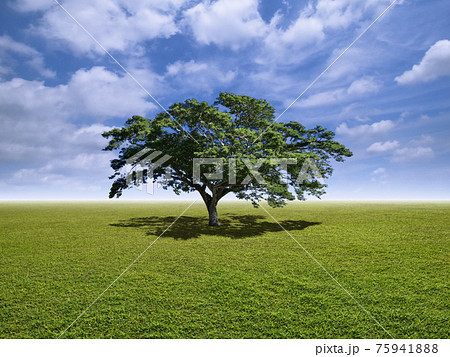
(212, 210)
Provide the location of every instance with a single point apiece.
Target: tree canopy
(260, 158)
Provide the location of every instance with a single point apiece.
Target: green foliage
(234, 127)
(247, 280)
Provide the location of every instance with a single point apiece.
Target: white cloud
(76, 173)
(198, 75)
(424, 140)
(106, 94)
(82, 164)
(379, 175)
(235, 23)
(32, 5)
(379, 171)
(357, 57)
(380, 147)
(323, 98)
(409, 154)
(118, 25)
(265, 80)
(39, 123)
(357, 88)
(338, 13)
(190, 67)
(63, 156)
(435, 64)
(8, 44)
(231, 23)
(304, 31)
(418, 150)
(380, 127)
(403, 116)
(93, 92)
(363, 86)
(35, 59)
(291, 43)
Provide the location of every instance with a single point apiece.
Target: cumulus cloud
(118, 25)
(121, 25)
(338, 13)
(100, 92)
(416, 150)
(235, 23)
(10, 49)
(232, 23)
(190, 67)
(380, 147)
(363, 86)
(42, 128)
(291, 43)
(412, 153)
(323, 98)
(380, 127)
(302, 32)
(357, 88)
(198, 75)
(61, 155)
(435, 64)
(95, 92)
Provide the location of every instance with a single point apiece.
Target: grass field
(245, 279)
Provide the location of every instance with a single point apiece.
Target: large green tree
(236, 144)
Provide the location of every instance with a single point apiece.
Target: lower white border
(228, 348)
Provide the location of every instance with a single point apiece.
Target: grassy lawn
(245, 279)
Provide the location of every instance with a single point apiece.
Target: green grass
(245, 279)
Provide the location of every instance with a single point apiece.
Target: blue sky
(387, 97)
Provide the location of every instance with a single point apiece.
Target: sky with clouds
(387, 97)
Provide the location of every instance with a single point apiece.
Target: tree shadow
(232, 226)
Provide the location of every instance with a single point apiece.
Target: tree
(249, 153)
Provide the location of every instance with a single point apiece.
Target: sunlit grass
(245, 279)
